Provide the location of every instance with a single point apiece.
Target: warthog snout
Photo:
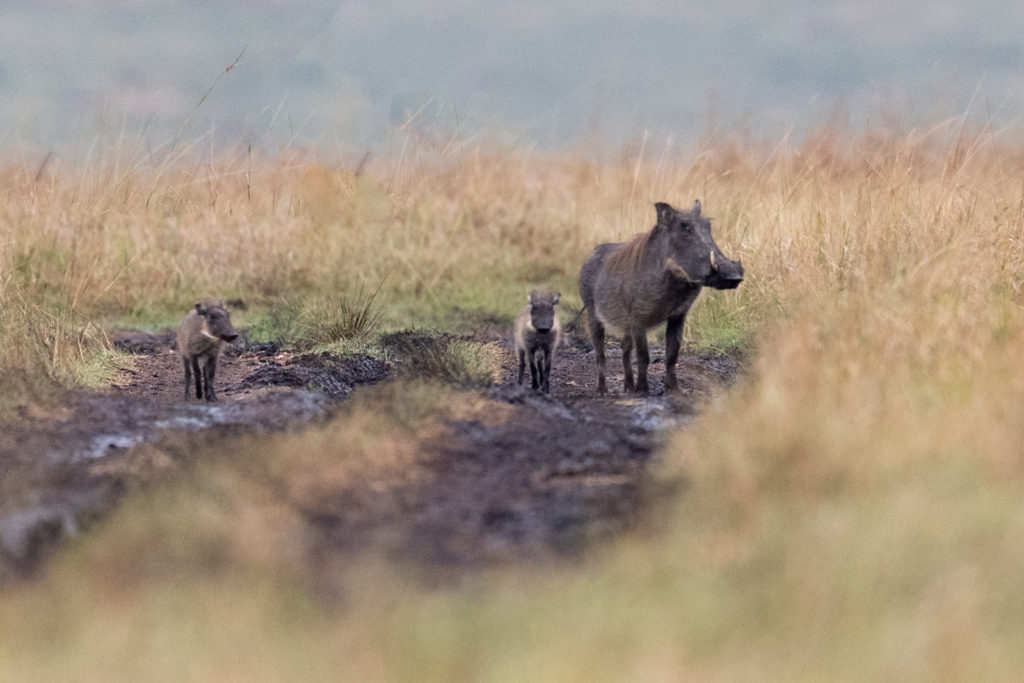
(542, 311)
(725, 273)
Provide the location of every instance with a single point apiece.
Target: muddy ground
(555, 474)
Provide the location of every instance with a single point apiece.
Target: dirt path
(557, 472)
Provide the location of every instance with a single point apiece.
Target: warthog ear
(696, 208)
(665, 212)
(556, 298)
(201, 309)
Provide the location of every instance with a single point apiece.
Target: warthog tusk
(714, 264)
(209, 336)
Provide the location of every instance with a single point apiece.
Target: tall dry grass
(453, 238)
(852, 508)
(858, 496)
(120, 237)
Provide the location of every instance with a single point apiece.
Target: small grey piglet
(537, 333)
(202, 335)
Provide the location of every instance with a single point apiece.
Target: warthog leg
(643, 359)
(537, 368)
(534, 368)
(673, 338)
(199, 376)
(546, 386)
(522, 365)
(188, 377)
(627, 361)
(208, 371)
(597, 337)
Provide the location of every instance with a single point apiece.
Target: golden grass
(453, 242)
(853, 508)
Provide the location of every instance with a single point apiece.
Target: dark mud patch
(531, 476)
(133, 341)
(552, 479)
(333, 375)
(61, 470)
(555, 474)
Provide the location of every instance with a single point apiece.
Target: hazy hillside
(342, 74)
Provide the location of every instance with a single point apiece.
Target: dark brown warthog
(202, 335)
(629, 287)
(537, 332)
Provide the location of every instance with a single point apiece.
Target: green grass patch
(719, 323)
(99, 368)
(320, 320)
(473, 305)
(47, 347)
(443, 357)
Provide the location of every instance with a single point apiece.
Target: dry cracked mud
(551, 476)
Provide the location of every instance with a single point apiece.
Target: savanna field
(851, 508)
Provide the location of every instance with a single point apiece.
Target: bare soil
(553, 475)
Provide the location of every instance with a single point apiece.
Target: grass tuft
(46, 348)
(327, 320)
(444, 357)
(321, 320)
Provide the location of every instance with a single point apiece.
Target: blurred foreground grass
(852, 510)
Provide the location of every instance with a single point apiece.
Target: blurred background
(341, 76)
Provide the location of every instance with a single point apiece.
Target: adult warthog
(629, 287)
